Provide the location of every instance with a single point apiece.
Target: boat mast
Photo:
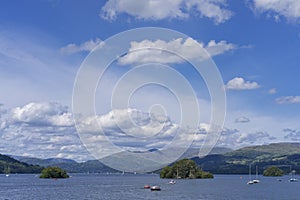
(249, 172)
(256, 172)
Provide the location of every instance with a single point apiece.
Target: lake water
(96, 186)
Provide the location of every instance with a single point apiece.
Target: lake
(99, 186)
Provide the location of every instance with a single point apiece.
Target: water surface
(108, 187)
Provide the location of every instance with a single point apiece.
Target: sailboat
(7, 171)
(250, 182)
(293, 179)
(256, 179)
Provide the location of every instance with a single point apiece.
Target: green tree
(54, 172)
(273, 171)
(184, 168)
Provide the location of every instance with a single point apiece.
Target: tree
(184, 168)
(54, 172)
(273, 171)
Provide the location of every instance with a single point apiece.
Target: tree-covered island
(185, 169)
(54, 172)
(273, 171)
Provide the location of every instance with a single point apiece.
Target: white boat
(250, 182)
(172, 182)
(155, 188)
(293, 179)
(7, 171)
(256, 175)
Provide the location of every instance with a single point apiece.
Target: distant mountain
(71, 166)
(10, 165)
(95, 166)
(283, 155)
(43, 162)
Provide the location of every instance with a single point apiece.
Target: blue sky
(254, 43)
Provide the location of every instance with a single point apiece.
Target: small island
(273, 171)
(54, 172)
(185, 169)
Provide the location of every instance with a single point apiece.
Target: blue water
(96, 186)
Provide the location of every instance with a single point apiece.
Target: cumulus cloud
(41, 114)
(130, 129)
(290, 9)
(291, 134)
(164, 51)
(242, 120)
(46, 130)
(85, 46)
(168, 9)
(239, 83)
(40, 130)
(251, 138)
(235, 138)
(211, 9)
(288, 100)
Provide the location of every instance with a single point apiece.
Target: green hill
(282, 155)
(71, 166)
(10, 165)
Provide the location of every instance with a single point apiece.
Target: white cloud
(40, 130)
(234, 138)
(288, 100)
(167, 9)
(242, 120)
(291, 134)
(33, 130)
(130, 129)
(41, 114)
(212, 9)
(239, 83)
(290, 9)
(163, 51)
(146, 9)
(85, 46)
(254, 138)
(272, 91)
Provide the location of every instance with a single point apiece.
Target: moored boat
(293, 179)
(147, 186)
(155, 188)
(256, 180)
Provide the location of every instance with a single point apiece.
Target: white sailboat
(256, 180)
(293, 179)
(250, 182)
(7, 171)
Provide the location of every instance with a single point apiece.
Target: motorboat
(155, 188)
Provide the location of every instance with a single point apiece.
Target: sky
(254, 45)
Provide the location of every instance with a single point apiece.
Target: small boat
(172, 182)
(293, 179)
(147, 186)
(155, 188)
(250, 182)
(256, 179)
(7, 171)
